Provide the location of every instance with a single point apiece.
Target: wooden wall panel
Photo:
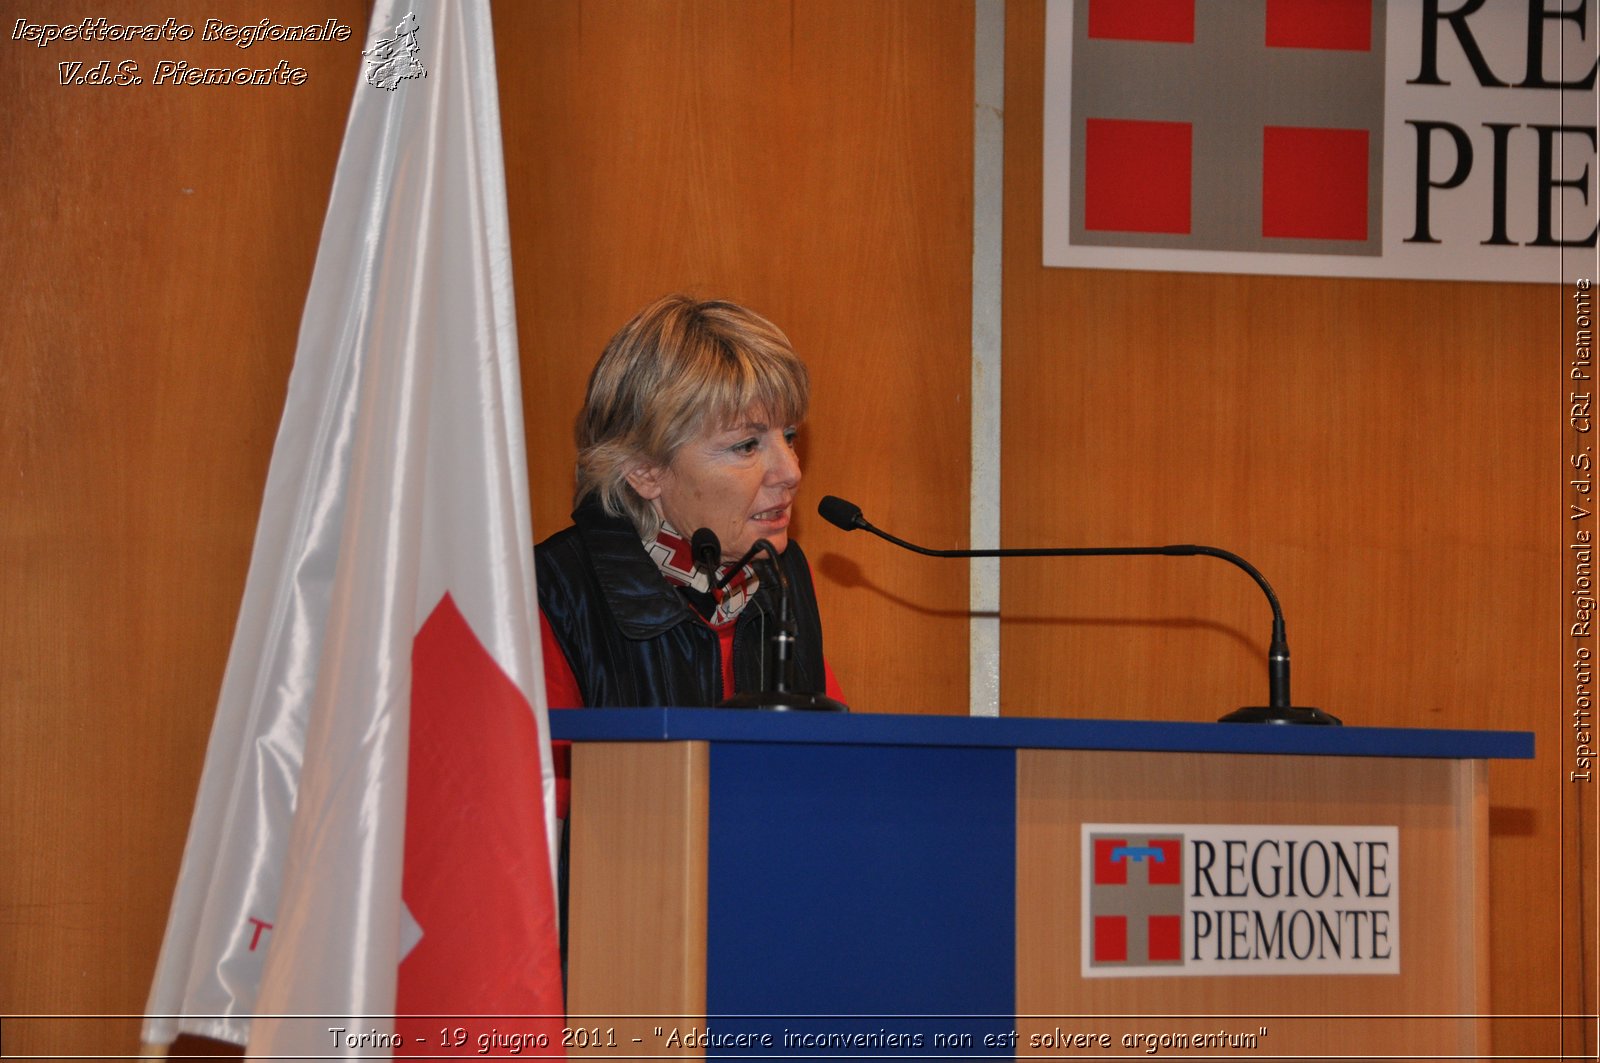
(1386, 452)
(158, 243)
(812, 160)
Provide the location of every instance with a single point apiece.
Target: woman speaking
(688, 422)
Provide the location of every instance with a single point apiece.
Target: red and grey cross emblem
(1136, 900)
(1254, 125)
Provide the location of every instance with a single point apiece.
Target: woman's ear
(646, 481)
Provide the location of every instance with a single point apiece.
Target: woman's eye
(747, 446)
(789, 435)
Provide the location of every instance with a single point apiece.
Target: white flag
(374, 829)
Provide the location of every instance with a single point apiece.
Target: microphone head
(841, 514)
(707, 550)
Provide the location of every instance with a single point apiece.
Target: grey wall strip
(988, 144)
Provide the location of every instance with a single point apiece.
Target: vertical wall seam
(988, 150)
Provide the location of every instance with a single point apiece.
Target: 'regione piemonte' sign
(1166, 899)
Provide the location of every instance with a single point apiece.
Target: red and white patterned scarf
(674, 557)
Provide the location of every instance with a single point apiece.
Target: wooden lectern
(897, 885)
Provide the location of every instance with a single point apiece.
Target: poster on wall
(1361, 138)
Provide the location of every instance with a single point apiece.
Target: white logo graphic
(395, 58)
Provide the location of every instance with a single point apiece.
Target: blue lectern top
(870, 729)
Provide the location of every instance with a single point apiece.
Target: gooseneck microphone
(781, 695)
(707, 551)
(847, 515)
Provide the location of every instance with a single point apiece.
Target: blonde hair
(679, 368)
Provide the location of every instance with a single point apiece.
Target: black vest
(632, 640)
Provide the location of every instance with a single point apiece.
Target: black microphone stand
(1278, 710)
(780, 645)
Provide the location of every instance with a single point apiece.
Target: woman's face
(739, 481)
